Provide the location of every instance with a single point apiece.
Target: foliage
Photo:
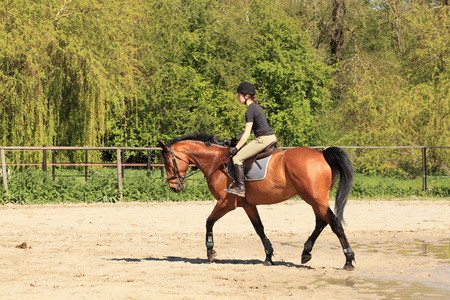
(290, 80)
(126, 73)
(393, 86)
(36, 187)
(383, 187)
(33, 187)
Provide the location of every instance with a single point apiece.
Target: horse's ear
(163, 146)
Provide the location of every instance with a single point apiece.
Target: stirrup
(234, 192)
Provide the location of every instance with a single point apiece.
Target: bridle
(177, 173)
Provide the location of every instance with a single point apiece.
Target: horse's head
(176, 164)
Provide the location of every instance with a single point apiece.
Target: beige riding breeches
(253, 148)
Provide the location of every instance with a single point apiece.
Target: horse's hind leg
(337, 228)
(307, 248)
(325, 216)
(252, 213)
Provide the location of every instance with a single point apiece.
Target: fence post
(149, 162)
(123, 160)
(53, 165)
(44, 160)
(119, 172)
(86, 166)
(4, 170)
(162, 161)
(424, 169)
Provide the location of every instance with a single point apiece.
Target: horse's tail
(341, 164)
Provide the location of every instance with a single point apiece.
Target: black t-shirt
(256, 115)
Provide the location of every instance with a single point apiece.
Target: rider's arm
(245, 135)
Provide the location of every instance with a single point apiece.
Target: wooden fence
(120, 164)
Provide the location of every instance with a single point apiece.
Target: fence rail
(120, 164)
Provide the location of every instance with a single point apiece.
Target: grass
(34, 187)
(383, 187)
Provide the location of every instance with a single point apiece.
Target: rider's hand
(233, 151)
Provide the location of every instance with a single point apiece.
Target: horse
(302, 171)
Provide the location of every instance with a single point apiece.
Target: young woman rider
(256, 122)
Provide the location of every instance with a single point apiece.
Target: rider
(255, 122)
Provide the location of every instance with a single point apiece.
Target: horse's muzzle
(180, 186)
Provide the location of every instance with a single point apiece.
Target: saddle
(249, 163)
(268, 151)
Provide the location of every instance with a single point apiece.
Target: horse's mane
(207, 138)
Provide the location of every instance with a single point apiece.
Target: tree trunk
(337, 31)
(395, 24)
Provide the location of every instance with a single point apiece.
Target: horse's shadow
(200, 261)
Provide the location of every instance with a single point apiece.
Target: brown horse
(298, 171)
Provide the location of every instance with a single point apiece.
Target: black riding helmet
(246, 88)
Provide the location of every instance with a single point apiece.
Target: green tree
(394, 87)
(294, 84)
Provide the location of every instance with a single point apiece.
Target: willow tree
(26, 114)
(68, 69)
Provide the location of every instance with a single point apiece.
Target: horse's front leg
(222, 208)
(252, 213)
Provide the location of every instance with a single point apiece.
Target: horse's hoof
(349, 267)
(211, 255)
(268, 263)
(306, 258)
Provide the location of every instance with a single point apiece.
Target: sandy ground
(157, 251)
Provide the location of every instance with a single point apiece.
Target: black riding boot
(239, 181)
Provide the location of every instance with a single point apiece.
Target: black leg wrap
(306, 254)
(209, 240)
(209, 246)
(308, 246)
(269, 251)
(350, 257)
(267, 245)
(349, 254)
(348, 250)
